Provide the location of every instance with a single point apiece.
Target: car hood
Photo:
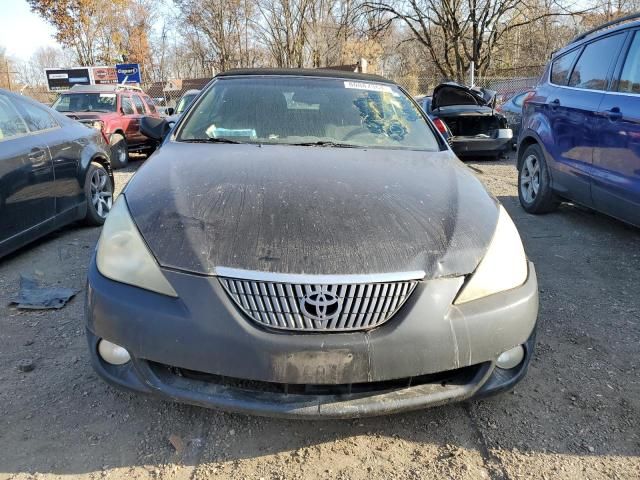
(89, 115)
(453, 94)
(311, 210)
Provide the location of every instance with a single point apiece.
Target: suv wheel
(534, 182)
(119, 151)
(98, 191)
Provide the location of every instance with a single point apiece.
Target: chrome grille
(318, 307)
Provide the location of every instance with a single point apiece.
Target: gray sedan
(304, 244)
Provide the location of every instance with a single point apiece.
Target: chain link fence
(167, 94)
(506, 83)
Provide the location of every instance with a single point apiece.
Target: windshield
(185, 101)
(307, 110)
(86, 102)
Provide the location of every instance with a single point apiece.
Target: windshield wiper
(210, 140)
(326, 143)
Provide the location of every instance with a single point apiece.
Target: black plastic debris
(34, 297)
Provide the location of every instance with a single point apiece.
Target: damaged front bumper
(200, 349)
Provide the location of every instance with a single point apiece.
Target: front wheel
(99, 194)
(534, 182)
(119, 151)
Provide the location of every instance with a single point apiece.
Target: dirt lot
(576, 415)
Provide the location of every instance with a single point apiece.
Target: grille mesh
(308, 307)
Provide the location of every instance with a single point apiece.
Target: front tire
(119, 150)
(534, 182)
(98, 191)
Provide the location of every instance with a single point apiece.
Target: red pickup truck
(115, 110)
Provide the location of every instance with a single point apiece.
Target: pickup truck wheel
(98, 191)
(534, 182)
(119, 151)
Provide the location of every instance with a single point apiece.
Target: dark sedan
(53, 171)
(512, 111)
(466, 117)
(304, 244)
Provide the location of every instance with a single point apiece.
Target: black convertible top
(305, 72)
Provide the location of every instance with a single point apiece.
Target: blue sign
(128, 73)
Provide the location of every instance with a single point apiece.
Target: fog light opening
(511, 358)
(112, 353)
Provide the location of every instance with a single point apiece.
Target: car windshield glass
(323, 112)
(86, 102)
(185, 102)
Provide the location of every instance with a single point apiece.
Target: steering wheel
(355, 131)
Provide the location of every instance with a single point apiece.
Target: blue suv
(580, 135)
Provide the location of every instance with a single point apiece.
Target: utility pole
(8, 72)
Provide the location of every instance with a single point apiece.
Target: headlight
(503, 267)
(97, 124)
(123, 255)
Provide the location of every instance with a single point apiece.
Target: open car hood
(453, 94)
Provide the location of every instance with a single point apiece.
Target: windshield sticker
(217, 132)
(368, 86)
(107, 95)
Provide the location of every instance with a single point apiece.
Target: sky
(21, 31)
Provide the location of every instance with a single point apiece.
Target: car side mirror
(154, 128)
(170, 110)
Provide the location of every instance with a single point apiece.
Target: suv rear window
(593, 65)
(561, 68)
(630, 78)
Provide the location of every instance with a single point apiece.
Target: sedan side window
(593, 65)
(11, 123)
(561, 68)
(127, 108)
(630, 78)
(37, 118)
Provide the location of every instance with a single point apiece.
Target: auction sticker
(368, 86)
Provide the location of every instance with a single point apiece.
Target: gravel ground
(576, 415)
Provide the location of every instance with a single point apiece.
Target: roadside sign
(104, 75)
(128, 73)
(64, 78)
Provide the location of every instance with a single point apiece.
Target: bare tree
(283, 29)
(31, 72)
(455, 33)
(219, 31)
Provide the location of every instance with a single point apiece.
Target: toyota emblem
(321, 306)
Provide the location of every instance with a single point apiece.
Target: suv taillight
(440, 125)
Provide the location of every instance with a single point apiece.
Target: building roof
(305, 72)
